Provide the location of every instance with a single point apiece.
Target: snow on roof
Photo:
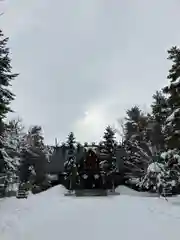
(93, 148)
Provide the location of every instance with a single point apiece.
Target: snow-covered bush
(163, 174)
(150, 179)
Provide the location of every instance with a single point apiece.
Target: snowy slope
(50, 215)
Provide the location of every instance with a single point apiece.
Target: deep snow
(50, 215)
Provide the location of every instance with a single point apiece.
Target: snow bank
(127, 191)
(132, 193)
(50, 215)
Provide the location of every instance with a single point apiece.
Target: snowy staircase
(91, 192)
(166, 191)
(21, 193)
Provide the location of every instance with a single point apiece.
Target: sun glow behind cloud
(91, 124)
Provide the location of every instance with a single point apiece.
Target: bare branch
(121, 131)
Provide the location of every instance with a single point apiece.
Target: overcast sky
(82, 63)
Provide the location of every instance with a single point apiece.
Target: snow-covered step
(91, 192)
(21, 194)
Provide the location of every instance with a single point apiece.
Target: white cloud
(93, 56)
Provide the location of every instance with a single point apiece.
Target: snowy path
(51, 215)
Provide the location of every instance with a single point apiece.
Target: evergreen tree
(12, 143)
(6, 76)
(109, 139)
(159, 107)
(71, 144)
(157, 121)
(172, 128)
(137, 143)
(71, 140)
(37, 137)
(136, 124)
(174, 56)
(34, 155)
(6, 96)
(69, 164)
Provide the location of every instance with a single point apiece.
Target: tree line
(146, 137)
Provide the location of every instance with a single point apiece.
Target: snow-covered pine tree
(71, 142)
(137, 142)
(13, 142)
(159, 107)
(11, 150)
(70, 167)
(136, 124)
(132, 120)
(109, 165)
(6, 77)
(172, 127)
(34, 155)
(109, 139)
(160, 112)
(36, 135)
(6, 96)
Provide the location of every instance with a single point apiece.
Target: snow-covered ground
(50, 215)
